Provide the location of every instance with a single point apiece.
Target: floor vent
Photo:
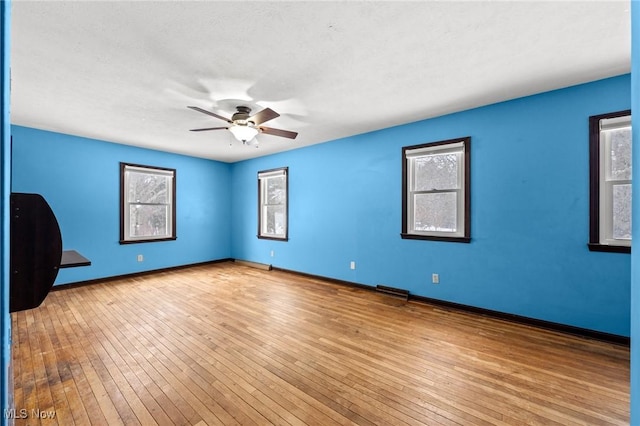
(395, 292)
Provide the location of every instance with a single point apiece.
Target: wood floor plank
(227, 344)
(83, 377)
(170, 364)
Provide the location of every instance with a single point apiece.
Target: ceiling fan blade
(264, 116)
(278, 132)
(213, 114)
(208, 128)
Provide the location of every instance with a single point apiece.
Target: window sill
(435, 238)
(264, 237)
(151, 240)
(608, 249)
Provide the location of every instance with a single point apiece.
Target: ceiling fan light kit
(245, 127)
(244, 132)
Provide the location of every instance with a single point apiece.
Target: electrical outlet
(353, 265)
(435, 278)
(140, 258)
(273, 253)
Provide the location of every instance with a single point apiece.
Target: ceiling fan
(245, 127)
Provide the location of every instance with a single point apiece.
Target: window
(610, 182)
(148, 204)
(273, 188)
(435, 191)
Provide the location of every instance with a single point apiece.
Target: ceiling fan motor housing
(242, 116)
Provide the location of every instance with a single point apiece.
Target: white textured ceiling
(126, 71)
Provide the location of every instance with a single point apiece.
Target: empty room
(316, 213)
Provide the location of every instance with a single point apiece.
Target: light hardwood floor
(229, 344)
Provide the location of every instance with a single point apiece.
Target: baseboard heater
(395, 292)
(264, 266)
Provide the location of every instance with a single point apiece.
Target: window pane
(622, 212)
(435, 212)
(436, 171)
(148, 188)
(148, 221)
(275, 220)
(620, 165)
(276, 190)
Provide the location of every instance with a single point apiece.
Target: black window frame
(594, 243)
(273, 172)
(466, 220)
(123, 203)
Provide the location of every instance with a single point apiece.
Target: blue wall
(635, 255)
(6, 389)
(529, 202)
(80, 179)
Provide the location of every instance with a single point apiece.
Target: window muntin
(147, 203)
(273, 188)
(610, 205)
(436, 191)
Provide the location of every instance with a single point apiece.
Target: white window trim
(607, 184)
(125, 172)
(263, 177)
